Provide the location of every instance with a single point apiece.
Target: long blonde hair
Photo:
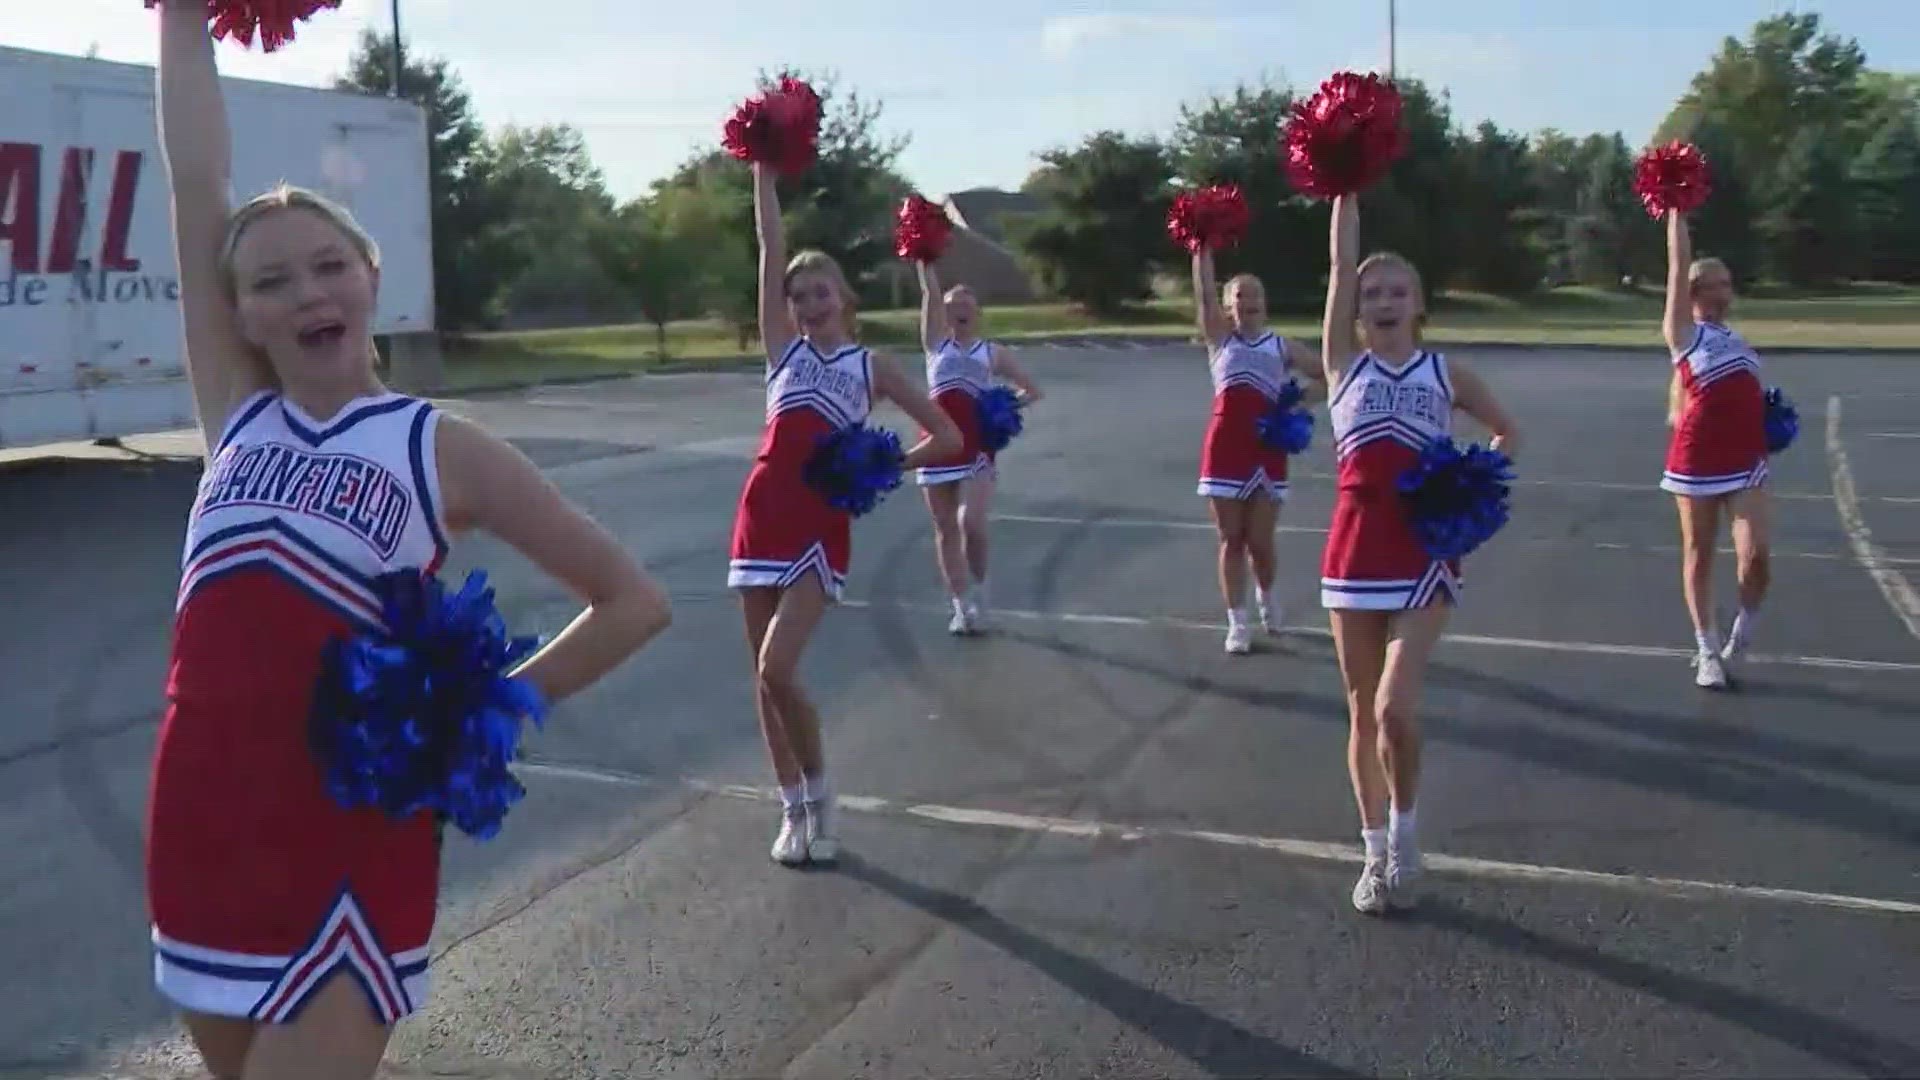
(813, 260)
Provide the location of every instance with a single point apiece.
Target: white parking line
(1591, 648)
(1309, 530)
(1893, 585)
(1308, 850)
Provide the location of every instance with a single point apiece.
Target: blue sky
(982, 87)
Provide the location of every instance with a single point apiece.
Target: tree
(1886, 184)
(1500, 224)
(1412, 210)
(657, 267)
(554, 199)
(1808, 222)
(1235, 139)
(1104, 230)
(1615, 240)
(471, 260)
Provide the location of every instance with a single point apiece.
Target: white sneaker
(1710, 672)
(1370, 893)
(790, 847)
(1239, 638)
(1404, 869)
(1271, 617)
(822, 845)
(962, 622)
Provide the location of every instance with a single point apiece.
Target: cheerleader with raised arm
(791, 544)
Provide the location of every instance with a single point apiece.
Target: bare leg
(1230, 524)
(335, 1037)
(223, 1042)
(799, 612)
(1262, 513)
(759, 605)
(1699, 530)
(1752, 552)
(949, 546)
(976, 496)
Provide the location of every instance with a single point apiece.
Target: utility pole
(1393, 40)
(393, 90)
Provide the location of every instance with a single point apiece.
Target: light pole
(1392, 37)
(393, 90)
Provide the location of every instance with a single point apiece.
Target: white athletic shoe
(1239, 638)
(822, 845)
(790, 847)
(1709, 671)
(962, 622)
(1404, 869)
(1271, 616)
(1370, 893)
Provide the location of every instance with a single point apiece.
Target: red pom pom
(780, 128)
(1210, 217)
(1344, 138)
(1672, 177)
(922, 231)
(272, 20)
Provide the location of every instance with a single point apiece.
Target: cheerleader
(1387, 599)
(292, 933)
(1244, 480)
(791, 547)
(960, 366)
(1717, 455)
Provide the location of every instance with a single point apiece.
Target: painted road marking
(1310, 530)
(1594, 648)
(1893, 585)
(1309, 850)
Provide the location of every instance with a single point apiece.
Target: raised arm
(1678, 322)
(776, 326)
(1206, 299)
(943, 437)
(1338, 344)
(933, 310)
(197, 150)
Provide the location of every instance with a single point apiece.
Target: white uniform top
(1716, 352)
(952, 367)
(1411, 405)
(1260, 363)
(329, 505)
(838, 387)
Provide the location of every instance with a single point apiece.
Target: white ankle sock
(1375, 841)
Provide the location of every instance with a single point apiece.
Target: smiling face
(963, 311)
(815, 303)
(1711, 285)
(1390, 305)
(303, 293)
(1245, 300)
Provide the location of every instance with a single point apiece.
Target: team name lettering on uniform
(360, 496)
(1417, 399)
(808, 373)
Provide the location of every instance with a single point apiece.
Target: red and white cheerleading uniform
(1719, 444)
(784, 528)
(259, 884)
(956, 377)
(1247, 377)
(1382, 417)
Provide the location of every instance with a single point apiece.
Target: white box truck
(90, 343)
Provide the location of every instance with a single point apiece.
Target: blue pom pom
(1783, 421)
(855, 467)
(1000, 418)
(421, 714)
(1457, 499)
(1284, 425)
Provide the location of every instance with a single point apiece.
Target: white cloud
(1066, 35)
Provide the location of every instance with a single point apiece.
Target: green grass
(1865, 316)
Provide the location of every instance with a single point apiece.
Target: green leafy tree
(1503, 230)
(1103, 233)
(659, 268)
(1235, 139)
(1886, 184)
(1808, 225)
(555, 200)
(472, 258)
(1411, 211)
